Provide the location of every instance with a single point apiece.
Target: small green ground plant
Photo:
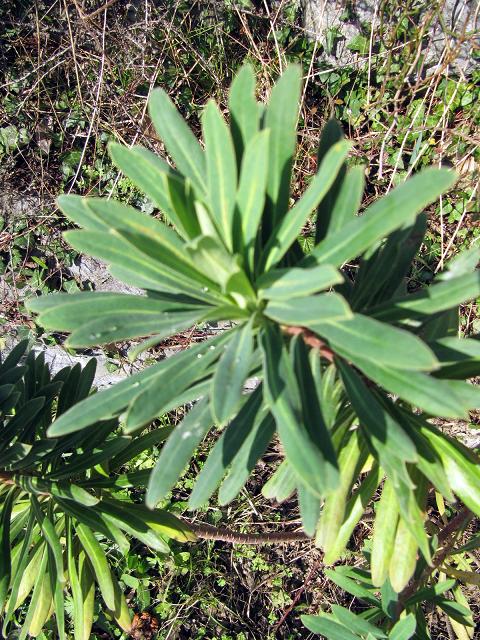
(351, 366)
(63, 506)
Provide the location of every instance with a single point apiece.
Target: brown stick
(208, 532)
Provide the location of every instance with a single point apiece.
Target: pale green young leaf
(354, 510)
(281, 284)
(384, 529)
(48, 530)
(281, 485)
(5, 548)
(399, 207)
(179, 140)
(309, 505)
(221, 171)
(289, 227)
(37, 595)
(404, 560)
(99, 562)
(404, 629)
(244, 116)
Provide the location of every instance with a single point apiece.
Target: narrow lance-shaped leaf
(5, 556)
(48, 530)
(281, 118)
(225, 449)
(284, 284)
(251, 195)
(177, 451)
(384, 529)
(363, 337)
(179, 140)
(247, 457)
(230, 374)
(166, 188)
(282, 396)
(310, 310)
(99, 562)
(399, 207)
(404, 560)
(281, 485)
(290, 226)
(244, 116)
(221, 171)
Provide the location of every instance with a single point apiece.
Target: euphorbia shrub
(351, 368)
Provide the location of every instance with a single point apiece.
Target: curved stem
(208, 532)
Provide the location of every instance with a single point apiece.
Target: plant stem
(208, 532)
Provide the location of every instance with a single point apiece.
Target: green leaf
(48, 530)
(404, 628)
(107, 404)
(362, 337)
(344, 197)
(302, 358)
(351, 459)
(309, 311)
(455, 610)
(459, 357)
(5, 555)
(243, 110)
(230, 374)
(248, 454)
(155, 397)
(179, 140)
(225, 449)
(166, 188)
(439, 297)
(433, 396)
(221, 171)
(384, 529)
(325, 625)
(352, 584)
(251, 195)
(282, 483)
(309, 505)
(282, 284)
(399, 207)
(461, 465)
(37, 595)
(356, 623)
(177, 452)
(281, 118)
(354, 510)
(282, 397)
(404, 560)
(290, 226)
(97, 557)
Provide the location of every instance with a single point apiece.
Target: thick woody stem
(208, 532)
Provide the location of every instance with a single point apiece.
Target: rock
(321, 17)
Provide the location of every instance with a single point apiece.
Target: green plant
(343, 352)
(60, 504)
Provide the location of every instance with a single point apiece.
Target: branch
(207, 532)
